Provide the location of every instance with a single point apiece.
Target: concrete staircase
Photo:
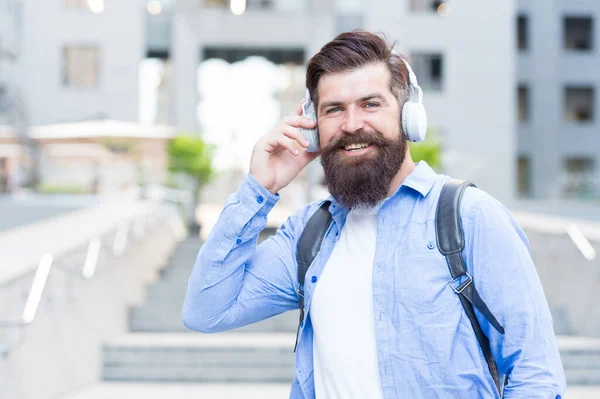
(159, 348)
(581, 359)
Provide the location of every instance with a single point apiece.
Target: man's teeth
(356, 146)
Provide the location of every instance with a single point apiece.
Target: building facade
(79, 59)
(558, 109)
(462, 53)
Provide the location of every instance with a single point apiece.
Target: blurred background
(124, 124)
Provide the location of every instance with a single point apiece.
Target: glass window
(580, 172)
(81, 66)
(429, 69)
(426, 5)
(578, 33)
(524, 175)
(250, 4)
(76, 3)
(523, 103)
(579, 104)
(522, 32)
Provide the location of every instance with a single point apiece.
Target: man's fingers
(286, 142)
(296, 135)
(279, 142)
(299, 121)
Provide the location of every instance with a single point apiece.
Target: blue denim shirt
(426, 347)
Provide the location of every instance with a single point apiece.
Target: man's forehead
(355, 83)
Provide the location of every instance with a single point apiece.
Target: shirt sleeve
(235, 282)
(497, 253)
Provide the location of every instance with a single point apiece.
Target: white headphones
(414, 118)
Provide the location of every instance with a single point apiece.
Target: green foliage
(189, 154)
(56, 188)
(429, 150)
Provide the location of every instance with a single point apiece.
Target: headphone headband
(416, 92)
(414, 118)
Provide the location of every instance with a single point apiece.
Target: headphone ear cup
(414, 121)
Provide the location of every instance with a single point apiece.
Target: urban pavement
(230, 391)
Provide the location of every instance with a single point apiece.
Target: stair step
(223, 357)
(581, 359)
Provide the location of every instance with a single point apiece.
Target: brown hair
(352, 50)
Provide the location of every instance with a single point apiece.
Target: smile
(356, 147)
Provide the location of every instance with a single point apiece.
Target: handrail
(91, 258)
(35, 294)
(582, 243)
(135, 226)
(120, 239)
(87, 272)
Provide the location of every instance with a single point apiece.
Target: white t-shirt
(344, 347)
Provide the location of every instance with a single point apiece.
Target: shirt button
(314, 279)
(238, 241)
(260, 199)
(558, 397)
(430, 245)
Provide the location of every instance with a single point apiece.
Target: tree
(190, 155)
(429, 150)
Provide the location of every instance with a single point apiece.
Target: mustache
(358, 137)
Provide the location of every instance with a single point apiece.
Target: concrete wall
(62, 349)
(119, 34)
(571, 282)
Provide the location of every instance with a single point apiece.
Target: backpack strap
(450, 240)
(308, 248)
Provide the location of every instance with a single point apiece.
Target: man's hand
(280, 155)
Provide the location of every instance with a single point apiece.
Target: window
(95, 6)
(579, 104)
(522, 32)
(580, 173)
(81, 66)
(578, 33)
(426, 5)
(429, 69)
(524, 176)
(76, 3)
(250, 4)
(523, 103)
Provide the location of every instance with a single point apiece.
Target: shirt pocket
(421, 278)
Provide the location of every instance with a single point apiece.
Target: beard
(362, 181)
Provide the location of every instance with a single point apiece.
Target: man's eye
(371, 105)
(332, 110)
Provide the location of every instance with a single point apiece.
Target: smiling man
(381, 318)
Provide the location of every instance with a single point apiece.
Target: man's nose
(352, 121)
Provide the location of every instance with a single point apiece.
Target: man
(381, 320)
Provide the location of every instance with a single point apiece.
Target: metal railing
(90, 263)
(581, 242)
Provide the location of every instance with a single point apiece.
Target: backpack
(450, 240)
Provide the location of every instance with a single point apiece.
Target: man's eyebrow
(368, 97)
(328, 104)
(371, 97)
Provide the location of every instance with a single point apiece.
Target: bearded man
(380, 315)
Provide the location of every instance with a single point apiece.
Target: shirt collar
(421, 178)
